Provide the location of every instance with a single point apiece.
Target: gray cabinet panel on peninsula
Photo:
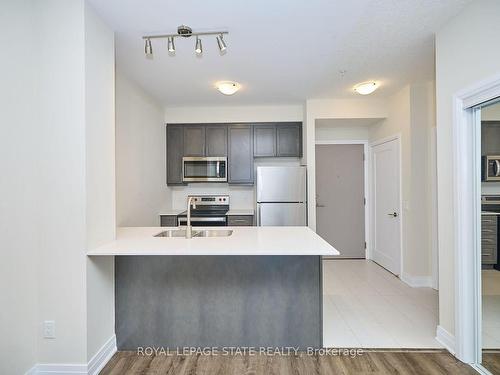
(241, 143)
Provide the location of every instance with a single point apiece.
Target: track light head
(171, 45)
(199, 48)
(148, 49)
(222, 45)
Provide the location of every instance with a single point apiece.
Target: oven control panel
(211, 200)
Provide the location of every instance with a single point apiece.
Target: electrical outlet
(49, 329)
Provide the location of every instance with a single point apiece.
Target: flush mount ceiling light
(366, 88)
(228, 87)
(185, 32)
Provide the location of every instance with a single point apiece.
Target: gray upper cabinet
(194, 140)
(240, 154)
(216, 140)
(264, 141)
(281, 139)
(175, 147)
(289, 140)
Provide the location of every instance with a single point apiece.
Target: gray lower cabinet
(194, 140)
(240, 220)
(168, 220)
(175, 149)
(489, 239)
(240, 154)
(264, 140)
(216, 140)
(289, 140)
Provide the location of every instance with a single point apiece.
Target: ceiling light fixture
(199, 48)
(221, 43)
(186, 32)
(228, 87)
(171, 45)
(366, 88)
(148, 49)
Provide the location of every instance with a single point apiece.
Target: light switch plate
(49, 329)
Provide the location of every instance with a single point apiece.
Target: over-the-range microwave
(491, 168)
(204, 169)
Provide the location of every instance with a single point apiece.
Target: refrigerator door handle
(258, 214)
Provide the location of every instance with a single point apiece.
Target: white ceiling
(281, 51)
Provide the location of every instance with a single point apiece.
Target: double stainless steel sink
(196, 233)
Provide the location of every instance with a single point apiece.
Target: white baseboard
(417, 281)
(103, 355)
(446, 339)
(96, 363)
(61, 369)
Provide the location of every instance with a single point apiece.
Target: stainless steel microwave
(204, 169)
(491, 168)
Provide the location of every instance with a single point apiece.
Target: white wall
(19, 234)
(411, 115)
(141, 187)
(343, 130)
(100, 177)
(241, 197)
(56, 182)
(318, 109)
(61, 186)
(464, 56)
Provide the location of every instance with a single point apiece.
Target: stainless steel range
(207, 211)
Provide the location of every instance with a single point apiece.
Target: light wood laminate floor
(415, 363)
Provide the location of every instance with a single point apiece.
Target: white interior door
(386, 206)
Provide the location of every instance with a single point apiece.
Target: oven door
(204, 169)
(196, 221)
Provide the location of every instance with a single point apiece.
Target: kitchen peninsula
(259, 286)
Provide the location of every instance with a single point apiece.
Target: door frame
(394, 137)
(367, 192)
(467, 240)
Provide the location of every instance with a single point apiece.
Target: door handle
(394, 214)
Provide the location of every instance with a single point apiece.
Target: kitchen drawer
(168, 220)
(488, 219)
(488, 254)
(240, 220)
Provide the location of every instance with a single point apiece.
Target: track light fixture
(221, 43)
(148, 49)
(186, 32)
(199, 48)
(171, 45)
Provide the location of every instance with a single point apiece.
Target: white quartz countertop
(243, 241)
(237, 212)
(171, 212)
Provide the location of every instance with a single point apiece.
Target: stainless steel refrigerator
(281, 196)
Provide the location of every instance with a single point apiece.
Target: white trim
(446, 339)
(61, 369)
(103, 355)
(466, 195)
(394, 137)
(32, 371)
(93, 367)
(417, 281)
(367, 184)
